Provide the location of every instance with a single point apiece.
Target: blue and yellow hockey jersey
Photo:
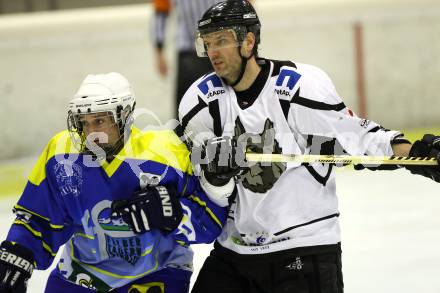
(67, 201)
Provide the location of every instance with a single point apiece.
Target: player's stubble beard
(228, 69)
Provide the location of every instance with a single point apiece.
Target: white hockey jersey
(282, 206)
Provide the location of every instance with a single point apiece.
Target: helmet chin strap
(244, 61)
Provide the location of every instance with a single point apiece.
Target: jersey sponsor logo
(282, 93)
(216, 93)
(149, 179)
(260, 240)
(112, 233)
(69, 177)
(209, 83)
(81, 277)
(291, 76)
(126, 248)
(111, 223)
(238, 241)
(259, 177)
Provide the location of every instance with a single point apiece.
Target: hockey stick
(345, 160)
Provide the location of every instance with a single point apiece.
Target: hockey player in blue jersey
(123, 201)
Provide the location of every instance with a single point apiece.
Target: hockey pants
(281, 272)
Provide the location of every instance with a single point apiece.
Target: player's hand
(16, 267)
(155, 207)
(428, 146)
(220, 156)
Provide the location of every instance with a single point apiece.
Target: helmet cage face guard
(120, 118)
(239, 33)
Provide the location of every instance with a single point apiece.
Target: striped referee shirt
(188, 12)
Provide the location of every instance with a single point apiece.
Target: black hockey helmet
(238, 15)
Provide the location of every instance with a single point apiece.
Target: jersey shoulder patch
(205, 89)
(210, 86)
(286, 78)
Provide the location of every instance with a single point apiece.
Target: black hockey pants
(293, 271)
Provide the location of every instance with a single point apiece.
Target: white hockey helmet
(110, 93)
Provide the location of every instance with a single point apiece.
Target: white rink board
(390, 232)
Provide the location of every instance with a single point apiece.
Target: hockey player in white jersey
(282, 232)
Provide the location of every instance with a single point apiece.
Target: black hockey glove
(220, 160)
(428, 146)
(155, 207)
(16, 267)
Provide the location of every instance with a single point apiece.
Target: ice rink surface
(390, 233)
